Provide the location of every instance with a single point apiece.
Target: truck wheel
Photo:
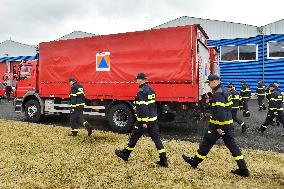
(121, 118)
(32, 111)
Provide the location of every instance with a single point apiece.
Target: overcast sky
(35, 21)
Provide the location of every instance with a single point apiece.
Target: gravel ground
(271, 140)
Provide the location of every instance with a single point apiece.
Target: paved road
(271, 140)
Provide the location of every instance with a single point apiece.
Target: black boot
(262, 128)
(89, 128)
(244, 128)
(243, 172)
(73, 133)
(123, 154)
(163, 160)
(191, 161)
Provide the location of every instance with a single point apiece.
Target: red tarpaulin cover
(163, 54)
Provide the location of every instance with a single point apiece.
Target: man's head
(213, 80)
(141, 78)
(72, 80)
(260, 81)
(230, 87)
(276, 83)
(230, 83)
(272, 86)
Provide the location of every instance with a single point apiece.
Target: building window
(247, 52)
(239, 53)
(276, 49)
(229, 53)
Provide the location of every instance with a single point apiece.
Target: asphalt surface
(271, 140)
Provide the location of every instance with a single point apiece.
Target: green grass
(42, 156)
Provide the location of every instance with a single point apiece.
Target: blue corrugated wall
(252, 71)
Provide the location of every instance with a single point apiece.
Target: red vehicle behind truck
(176, 61)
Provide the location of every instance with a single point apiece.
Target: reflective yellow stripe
(147, 119)
(73, 94)
(235, 107)
(275, 99)
(80, 93)
(238, 158)
(151, 96)
(85, 122)
(145, 102)
(242, 123)
(199, 156)
(221, 122)
(130, 149)
(161, 151)
(74, 130)
(264, 126)
(275, 108)
(245, 97)
(75, 105)
(222, 104)
(260, 94)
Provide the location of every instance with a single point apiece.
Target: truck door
(203, 60)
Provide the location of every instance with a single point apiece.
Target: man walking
(220, 126)
(235, 107)
(260, 93)
(245, 96)
(77, 99)
(146, 111)
(275, 107)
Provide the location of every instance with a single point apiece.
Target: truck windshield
(25, 72)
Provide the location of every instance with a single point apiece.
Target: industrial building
(246, 52)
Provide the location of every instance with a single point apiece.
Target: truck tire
(121, 118)
(33, 111)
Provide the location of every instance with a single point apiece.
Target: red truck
(176, 61)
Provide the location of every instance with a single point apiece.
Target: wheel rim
(32, 110)
(120, 118)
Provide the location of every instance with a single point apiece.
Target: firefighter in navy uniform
(275, 107)
(146, 112)
(260, 93)
(77, 102)
(245, 94)
(220, 126)
(235, 107)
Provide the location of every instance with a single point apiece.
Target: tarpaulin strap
(238, 157)
(147, 119)
(161, 151)
(75, 105)
(216, 122)
(130, 149)
(199, 156)
(222, 104)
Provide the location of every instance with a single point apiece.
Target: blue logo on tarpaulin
(103, 63)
